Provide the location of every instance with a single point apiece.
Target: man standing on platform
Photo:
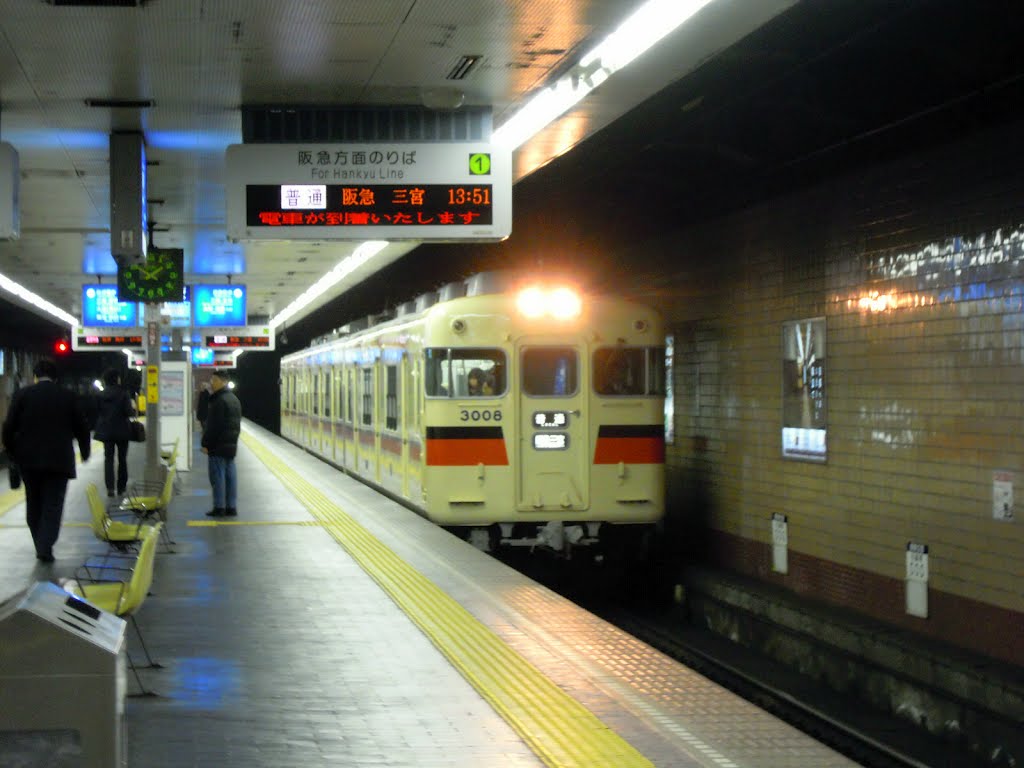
(42, 422)
(220, 444)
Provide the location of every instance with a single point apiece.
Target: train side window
(656, 374)
(328, 391)
(550, 371)
(437, 370)
(391, 397)
(367, 391)
(349, 414)
(316, 393)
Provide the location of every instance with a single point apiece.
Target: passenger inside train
(479, 384)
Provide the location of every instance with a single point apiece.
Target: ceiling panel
(199, 61)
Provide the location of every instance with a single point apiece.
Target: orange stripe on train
(465, 446)
(630, 444)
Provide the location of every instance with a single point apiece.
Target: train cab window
(465, 372)
(391, 397)
(367, 402)
(629, 371)
(550, 371)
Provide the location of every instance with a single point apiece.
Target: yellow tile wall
(925, 393)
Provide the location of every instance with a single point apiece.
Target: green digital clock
(160, 278)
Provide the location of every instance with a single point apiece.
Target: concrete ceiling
(200, 62)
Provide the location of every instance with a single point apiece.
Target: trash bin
(62, 682)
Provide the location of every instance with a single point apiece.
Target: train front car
(544, 418)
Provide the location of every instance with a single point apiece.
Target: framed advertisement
(804, 413)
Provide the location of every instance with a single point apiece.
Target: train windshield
(629, 371)
(550, 371)
(465, 372)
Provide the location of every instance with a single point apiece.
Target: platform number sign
(480, 164)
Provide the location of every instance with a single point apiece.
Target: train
(514, 413)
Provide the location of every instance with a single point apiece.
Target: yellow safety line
(560, 730)
(210, 523)
(10, 499)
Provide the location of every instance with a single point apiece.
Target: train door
(304, 406)
(392, 439)
(405, 408)
(314, 435)
(366, 438)
(329, 413)
(554, 432)
(351, 435)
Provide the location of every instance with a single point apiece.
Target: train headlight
(565, 304)
(531, 302)
(560, 303)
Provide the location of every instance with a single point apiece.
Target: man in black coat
(42, 422)
(220, 444)
(113, 429)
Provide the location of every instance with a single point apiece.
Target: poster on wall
(804, 416)
(172, 393)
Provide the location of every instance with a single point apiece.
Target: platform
(328, 625)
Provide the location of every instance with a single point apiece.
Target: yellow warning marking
(560, 730)
(10, 499)
(213, 523)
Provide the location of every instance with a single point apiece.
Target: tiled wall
(918, 268)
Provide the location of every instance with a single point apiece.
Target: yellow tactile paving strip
(10, 499)
(560, 730)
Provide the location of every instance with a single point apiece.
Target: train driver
(479, 383)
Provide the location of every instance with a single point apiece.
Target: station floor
(329, 626)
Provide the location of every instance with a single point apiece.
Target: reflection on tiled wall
(924, 308)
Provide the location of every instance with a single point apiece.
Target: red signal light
(61, 347)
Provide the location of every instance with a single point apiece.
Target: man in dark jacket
(113, 429)
(220, 444)
(42, 422)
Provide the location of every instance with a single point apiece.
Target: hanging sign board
(443, 192)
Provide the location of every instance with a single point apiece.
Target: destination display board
(443, 192)
(249, 337)
(104, 339)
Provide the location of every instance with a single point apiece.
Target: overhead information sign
(249, 337)
(431, 192)
(105, 339)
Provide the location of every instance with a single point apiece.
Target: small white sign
(304, 196)
(917, 579)
(780, 543)
(1002, 495)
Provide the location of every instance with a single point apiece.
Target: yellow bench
(119, 590)
(116, 533)
(169, 453)
(151, 507)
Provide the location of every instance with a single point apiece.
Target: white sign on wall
(1002, 495)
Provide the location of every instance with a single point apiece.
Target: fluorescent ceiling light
(651, 22)
(342, 269)
(35, 300)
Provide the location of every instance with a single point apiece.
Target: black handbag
(136, 431)
(14, 475)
